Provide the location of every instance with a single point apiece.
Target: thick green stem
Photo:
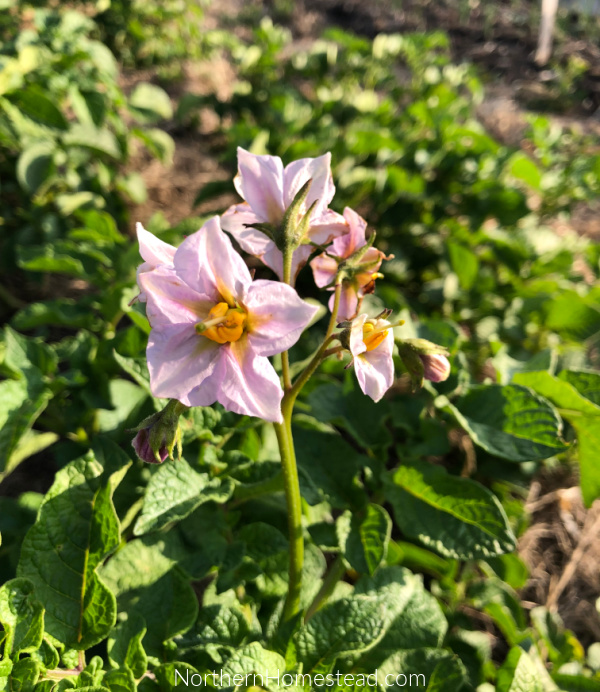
(285, 440)
(294, 509)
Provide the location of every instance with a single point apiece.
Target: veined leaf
(457, 517)
(347, 626)
(575, 394)
(364, 538)
(175, 491)
(414, 618)
(22, 617)
(77, 527)
(510, 421)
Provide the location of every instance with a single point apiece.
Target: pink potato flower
(268, 190)
(213, 327)
(154, 251)
(354, 288)
(371, 345)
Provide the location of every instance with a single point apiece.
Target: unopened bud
(436, 367)
(141, 444)
(159, 434)
(424, 360)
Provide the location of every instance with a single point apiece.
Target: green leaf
(158, 142)
(457, 517)
(434, 670)
(523, 168)
(253, 659)
(48, 258)
(587, 383)
(26, 356)
(364, 537)
(413, 617)
(35, 166)
(336, 481)
(150, 103)
(22, 617)
(100, 140)
(218, 627)
(169, 606)
(570, 316)
(76, 529)
(352, 411)
(510, 421)
(21, 402)
(29, 444)
(464, 264)
(346, 626)
(581, 412)
(175, 491)
(125, 648)
(148, 584)
(23, 676)
(121, 680)
(33, 102)
(518, 674)
(127, 400)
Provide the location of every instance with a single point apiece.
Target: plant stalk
(293, 498)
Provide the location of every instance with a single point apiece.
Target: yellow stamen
(223, 324)
(372, 337)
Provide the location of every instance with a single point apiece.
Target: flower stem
(287, 452)
(320, 354)
(294, 509)
(287, 279)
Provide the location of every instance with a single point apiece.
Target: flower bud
(424, 360)
(141, 444)
(436, 367)
(159, 434)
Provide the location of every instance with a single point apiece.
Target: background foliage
(120, 573)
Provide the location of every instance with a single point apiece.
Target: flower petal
(251, 240)
(260, 183)
(250, 385)
(276, 317)
(328, 226)
(179, 360)
(345, 245)
(375, 369)
(324, 270)
(170, 300)
(322, 188)
(348, 302)
(207, 262)
(153, 250)
(357, 345)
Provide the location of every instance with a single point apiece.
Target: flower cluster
(214, 327)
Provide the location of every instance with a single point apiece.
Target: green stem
(336, 572)
(287, 279)
(285, 441)
(291, 487)
(321, 353)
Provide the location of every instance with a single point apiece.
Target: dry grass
(562, 551)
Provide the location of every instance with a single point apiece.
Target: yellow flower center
(223, 324)
(372, 337)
